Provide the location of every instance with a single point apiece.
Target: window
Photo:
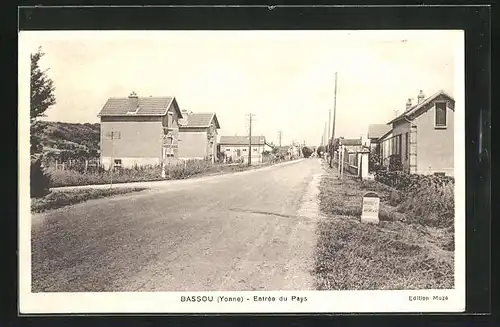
(170, 119)
(169, 152)
(396, 144)
(440, 119)
(407, 145)
(117, 163)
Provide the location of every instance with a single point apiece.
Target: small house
(198, 136)
(138, 131)
(422, 138)
(235, 148)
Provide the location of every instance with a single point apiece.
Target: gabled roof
(350, 141)
(376, 131)
(199, 120)
(415, 110)
(147, 106)
(241, 140)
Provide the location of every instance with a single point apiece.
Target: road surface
(235, 232)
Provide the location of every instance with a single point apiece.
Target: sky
(285, 78)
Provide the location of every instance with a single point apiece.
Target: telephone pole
(250, 115)
(334, 107)
(280, 133)
(332, 153)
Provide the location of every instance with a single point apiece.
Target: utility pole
(280, 133)
(332, 153)
(250, 115)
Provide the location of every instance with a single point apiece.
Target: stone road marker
(371, 206)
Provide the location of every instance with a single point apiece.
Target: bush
(306, 152)
(427, 199)
(320, 150)
(39, 180)
(406, 182)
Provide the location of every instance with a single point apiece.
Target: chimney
(133, 102)
(421, 96)
(408, 104)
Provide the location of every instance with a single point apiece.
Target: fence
(352, 162)
(82, 165)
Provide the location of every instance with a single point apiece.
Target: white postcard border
(170, 302)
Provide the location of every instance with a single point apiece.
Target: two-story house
(237, 147)
(138, 131)
(198, 136)
(422, 138)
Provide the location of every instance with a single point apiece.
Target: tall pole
(334, 107)
(250, 115)
(279, 138)
(332, 153)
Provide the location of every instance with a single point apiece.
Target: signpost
(168, 143)
(113, 135)
(371, 207)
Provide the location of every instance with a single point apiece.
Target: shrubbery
(179, 170)
(428, 199)
(39, 180)
(307, 152)
(407, 182)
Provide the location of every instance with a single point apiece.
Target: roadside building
(351, 145)
(377, 133)
(236, 148)
(422, 138)
(138, 131)
(198, 136)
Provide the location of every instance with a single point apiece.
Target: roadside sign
(371, 208)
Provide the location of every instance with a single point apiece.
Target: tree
(42, 97)
(306, 152)
(320, 150)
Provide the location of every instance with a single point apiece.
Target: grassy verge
(191, 168)
(59, 199)
(402, 252)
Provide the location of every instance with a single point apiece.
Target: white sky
(285, 78)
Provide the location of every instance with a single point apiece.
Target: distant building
(377, 133)
(198, 136)
(139, 131)
(422, 138)
(236, 148)
(352, 145)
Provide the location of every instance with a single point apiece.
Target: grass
(402, 252)
(59, 199)
(183, 170)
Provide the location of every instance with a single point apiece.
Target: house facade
(422, 138)
(237, 147)
(198, 136)
(138, 131)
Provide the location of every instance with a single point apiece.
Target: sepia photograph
(241, 171)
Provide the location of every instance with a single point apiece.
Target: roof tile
(148, 106)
